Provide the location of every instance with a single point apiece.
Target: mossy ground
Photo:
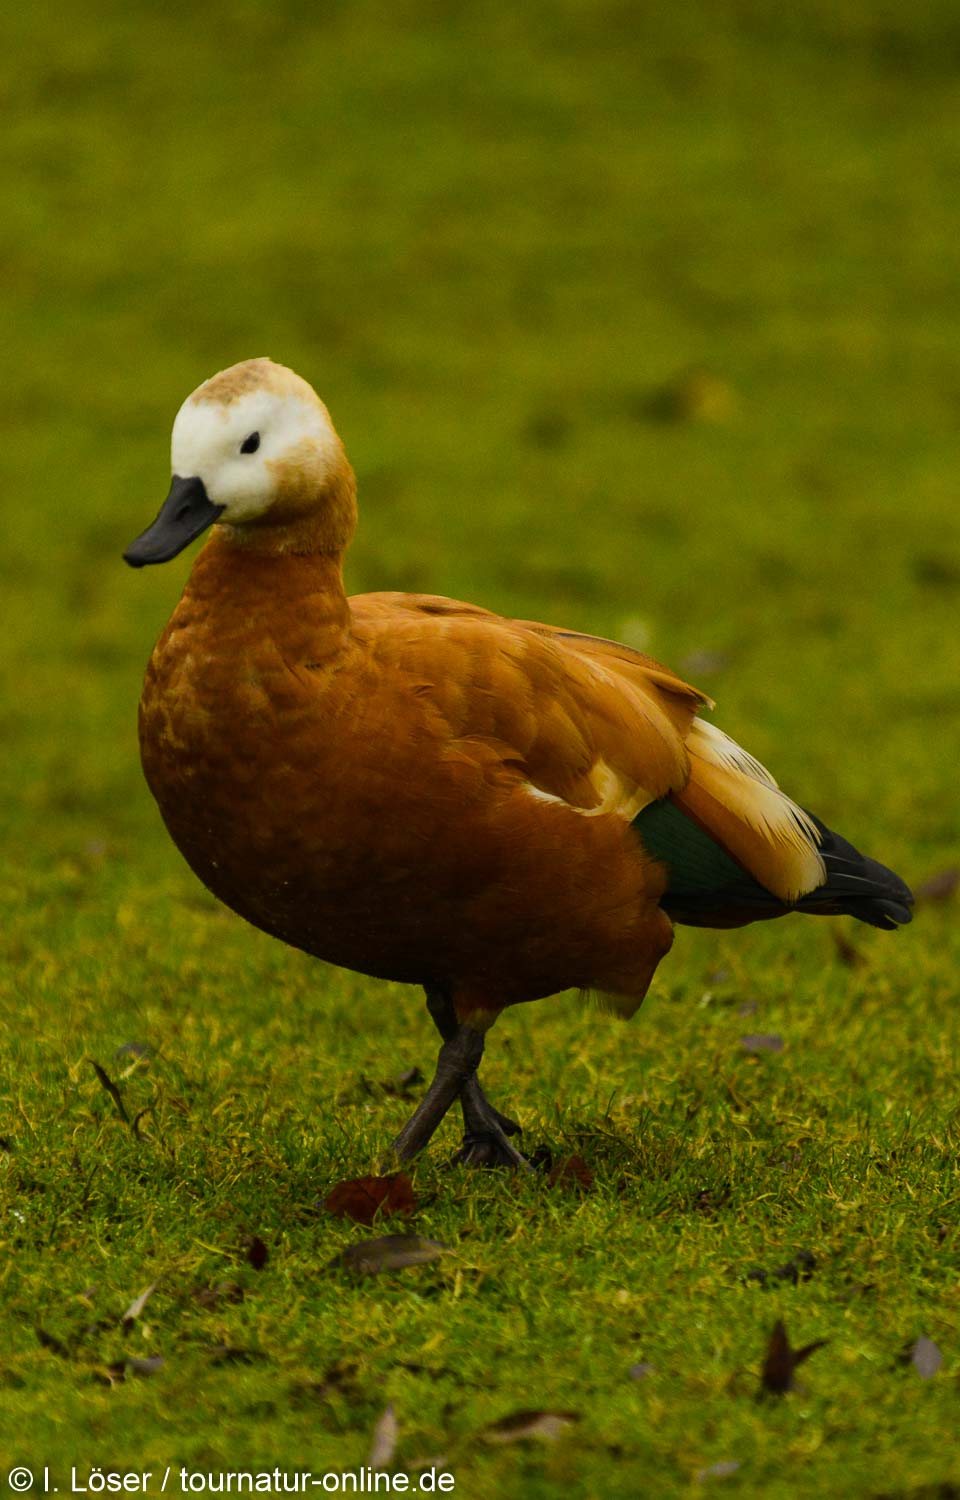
(502, 241)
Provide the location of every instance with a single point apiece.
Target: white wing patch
(720, 750)
(744, 791)
(615, 794)
(764, 806)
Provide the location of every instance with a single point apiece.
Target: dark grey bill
(186, 512)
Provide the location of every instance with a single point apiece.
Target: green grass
(493, 236)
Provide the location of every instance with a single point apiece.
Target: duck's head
(254, 449)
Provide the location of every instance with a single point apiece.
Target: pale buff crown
(295, 457)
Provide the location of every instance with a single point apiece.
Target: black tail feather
(857, 886)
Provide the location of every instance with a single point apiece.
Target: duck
(427, 792)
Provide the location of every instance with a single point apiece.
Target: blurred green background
(642, 318)
(491, 236)
(639, 317)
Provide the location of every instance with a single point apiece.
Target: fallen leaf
(762, 1041)
(925, 1358)
(117, 1372)
(721, 1470)
(51, 1342)
(572, 1172)
(384, 1442)
(401, 1086)
(362, 1198)
(541, 1158)
(111, 1089)
(392, 1252)
(255, 1251)
(939, 887)
(530, 1426)
(800, 1268)
(404, 1083)
(136, 1307)
(781, 1360)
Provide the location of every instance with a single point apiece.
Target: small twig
(111, 1088)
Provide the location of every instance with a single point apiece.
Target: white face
(208, 437)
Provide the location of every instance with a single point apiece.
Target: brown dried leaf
(781, 1360)
(762, 1041)
(51, 1342)
(392, 1252)
(530, 1426)
(383, 1445)
(255, 1251)
(405, 1083)
(800, 1268)
(571, 1172)
(362, 1198)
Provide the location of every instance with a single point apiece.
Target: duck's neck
(298, 599)
(314, 517)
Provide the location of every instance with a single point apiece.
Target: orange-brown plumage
(360, 780)
(418, 789)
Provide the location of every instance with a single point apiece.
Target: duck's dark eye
(250, 444)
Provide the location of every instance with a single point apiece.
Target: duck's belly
(407, 867)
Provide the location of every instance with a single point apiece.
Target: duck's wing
(601, 733)
(729, 802)
(607, 729)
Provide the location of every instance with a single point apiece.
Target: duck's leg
(485, 1129)
(458, 1062)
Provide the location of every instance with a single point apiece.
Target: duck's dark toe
(489, 1148)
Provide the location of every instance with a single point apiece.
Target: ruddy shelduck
(424, 791)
